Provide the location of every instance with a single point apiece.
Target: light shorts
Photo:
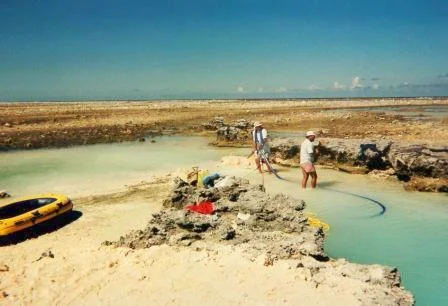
(308, 167)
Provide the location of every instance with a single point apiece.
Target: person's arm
(316, 150)
(264, 135)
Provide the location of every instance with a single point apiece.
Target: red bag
(205, 208)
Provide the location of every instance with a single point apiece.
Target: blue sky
(61, 49)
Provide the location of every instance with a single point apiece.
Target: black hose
(383, 208)
(265, 158)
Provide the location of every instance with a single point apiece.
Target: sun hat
(310, 133)
(257, 123)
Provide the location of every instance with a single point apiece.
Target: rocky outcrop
(356, 152)
(419, 160)
(214, 124)
(4, 194)
(272, 226)
(285, 151)
(236, 133)
(422, 167)
(244, 213)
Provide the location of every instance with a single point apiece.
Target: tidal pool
(412, 234)
(101, 168)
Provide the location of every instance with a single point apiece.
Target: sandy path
(84, 272)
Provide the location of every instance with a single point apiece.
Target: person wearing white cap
(260, 144)
(308, 153)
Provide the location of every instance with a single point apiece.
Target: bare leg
(313, 179)
(304, 178)
(268, 166)
(257, 162)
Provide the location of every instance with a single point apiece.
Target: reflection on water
(412, 234)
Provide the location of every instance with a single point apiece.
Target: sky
(210, 49)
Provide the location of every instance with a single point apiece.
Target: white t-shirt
(306, 151)
(256, 135)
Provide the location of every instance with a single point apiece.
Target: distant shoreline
(335, 99)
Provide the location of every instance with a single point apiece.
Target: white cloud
(336, 85)
(240, 89)
(260, 89)
(313, 87)
(356, 83)
(282, 89)
(375, 86)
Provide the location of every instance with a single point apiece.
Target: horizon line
(226, 99)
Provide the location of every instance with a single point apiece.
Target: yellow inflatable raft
(26, 212)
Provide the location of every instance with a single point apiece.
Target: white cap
(257, 123)
(310, 133)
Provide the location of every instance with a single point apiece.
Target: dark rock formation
(285, 151)
(236, 133)
(355, 152)
(214, 124)
(419, 160)
(425, 167)
(4, 194)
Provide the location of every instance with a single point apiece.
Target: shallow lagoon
(412, 234)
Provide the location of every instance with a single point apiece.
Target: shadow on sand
(41, 228)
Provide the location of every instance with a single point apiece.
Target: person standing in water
(308, 154)
(260, 144)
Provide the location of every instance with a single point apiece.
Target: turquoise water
(101, 168)
(412, 235)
